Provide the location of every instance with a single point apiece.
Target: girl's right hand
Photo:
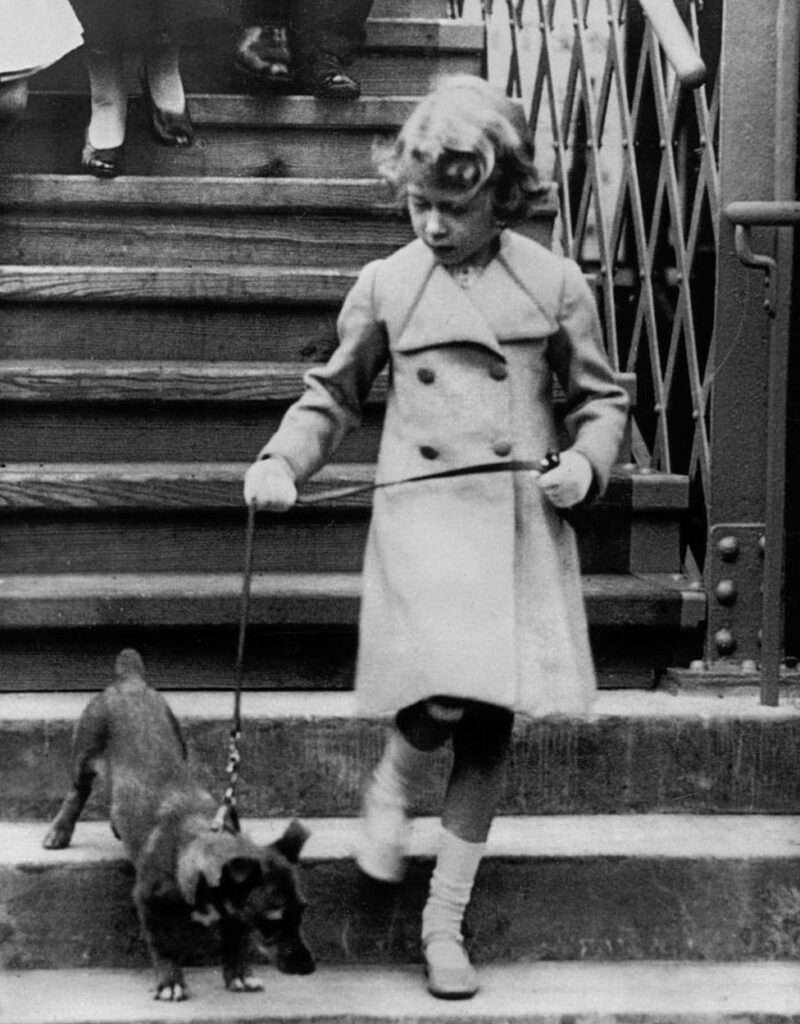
(269, 484)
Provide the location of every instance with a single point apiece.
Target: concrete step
(596, 887)
(528, 993)
(187, 517)
(637, 752)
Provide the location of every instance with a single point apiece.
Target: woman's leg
(480, 747)
(109, 98)
(406, 758)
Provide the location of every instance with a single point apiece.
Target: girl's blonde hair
(464, 135)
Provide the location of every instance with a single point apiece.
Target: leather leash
(227, 816)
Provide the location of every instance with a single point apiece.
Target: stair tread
(201, 194)
(68, 599)
(208, 194)
(539, 837)
(644, 991)
(183, 485)
(215, 705)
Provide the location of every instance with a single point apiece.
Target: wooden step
(68, 600)
(636, 752)
(524, 993)
(403, 55)
(86, 411)
(162, 221)
(188, 517)
(598, 887)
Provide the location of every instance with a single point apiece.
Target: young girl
(112, 28)
(472, 606)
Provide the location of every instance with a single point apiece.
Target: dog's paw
(57, 837)
(245, 983)
(172, 992)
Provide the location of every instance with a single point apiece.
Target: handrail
(675, 40)
(765, 213)
(744, 215)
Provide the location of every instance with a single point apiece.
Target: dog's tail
(129, 663)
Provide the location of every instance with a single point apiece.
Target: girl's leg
(406, 758)
(480, 747)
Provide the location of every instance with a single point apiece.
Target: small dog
(185, 869)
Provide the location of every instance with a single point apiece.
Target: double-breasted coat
(471, 585)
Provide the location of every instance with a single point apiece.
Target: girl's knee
(423, 729)
(484, 733)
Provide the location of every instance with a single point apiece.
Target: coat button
(498, 371)
(428, 453)
(426, 375)
(502, 447)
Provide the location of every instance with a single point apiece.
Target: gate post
(757, 151)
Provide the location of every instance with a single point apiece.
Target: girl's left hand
(569, 482)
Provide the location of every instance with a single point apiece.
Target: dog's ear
(203, 860)
(292, 841)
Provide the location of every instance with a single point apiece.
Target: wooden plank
(214, 485)
(207, 284)
(166, 381)
(69, 600)
(157, 432)
(162, 238)
(158, 331)
(442, 35)
(69, 380)
(258, 197)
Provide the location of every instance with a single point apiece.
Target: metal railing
(625, 113)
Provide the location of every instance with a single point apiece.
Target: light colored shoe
(448, 969)
(382, 845)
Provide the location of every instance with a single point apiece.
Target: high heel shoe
(171, 129)
(102, 163)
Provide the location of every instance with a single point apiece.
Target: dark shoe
(325, 76)
(102, 163)
(171, 129)
(263, 56)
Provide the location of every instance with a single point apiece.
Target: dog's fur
(185, 870)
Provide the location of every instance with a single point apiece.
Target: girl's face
(454, 229)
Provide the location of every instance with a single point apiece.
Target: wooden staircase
(152, 331)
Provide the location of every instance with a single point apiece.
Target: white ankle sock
(450, 890)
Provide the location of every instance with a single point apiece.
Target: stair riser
(189, 542)
(553, 908)
(609, 766)
(155, 433)
(168, 239)
(186, 658)
(202, 333)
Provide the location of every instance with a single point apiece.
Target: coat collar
(429, 309)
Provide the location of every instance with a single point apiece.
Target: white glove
(269, 484)
(569, 482)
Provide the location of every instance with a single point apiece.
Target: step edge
(676, 837)
(525, 992)
(609, 707)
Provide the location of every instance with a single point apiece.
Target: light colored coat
(471, 585)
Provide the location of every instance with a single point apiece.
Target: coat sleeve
(596, 406)
(330, 407)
